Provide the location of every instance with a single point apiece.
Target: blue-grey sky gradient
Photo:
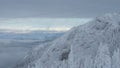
(35, 14)
(57, 8)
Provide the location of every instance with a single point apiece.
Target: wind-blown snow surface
(93, 45)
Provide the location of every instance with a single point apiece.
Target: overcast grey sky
(57, 8)
(58, 14)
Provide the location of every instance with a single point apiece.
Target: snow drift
(92, 45)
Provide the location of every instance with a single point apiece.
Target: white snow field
(92, 45)
(14, 46)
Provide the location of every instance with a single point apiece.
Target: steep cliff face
(92, 45)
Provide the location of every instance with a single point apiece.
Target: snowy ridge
(33, 55)
(93, 45)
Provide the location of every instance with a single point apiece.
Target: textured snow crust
(92, 45)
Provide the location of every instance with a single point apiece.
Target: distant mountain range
(29, 35)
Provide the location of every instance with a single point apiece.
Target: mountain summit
(92, 45)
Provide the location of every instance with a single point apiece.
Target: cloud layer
(41, 23)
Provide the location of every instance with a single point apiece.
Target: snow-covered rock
(92, 45)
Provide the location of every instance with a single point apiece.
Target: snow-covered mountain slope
(33, 55)
(92, 45)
